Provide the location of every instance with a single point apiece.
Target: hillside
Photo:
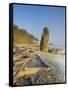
(21, 36)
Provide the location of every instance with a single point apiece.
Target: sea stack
(44, 40)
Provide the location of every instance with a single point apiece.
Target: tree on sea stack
(44, 40)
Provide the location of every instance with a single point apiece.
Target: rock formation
(44, 40)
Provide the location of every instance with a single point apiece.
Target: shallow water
(35, 62)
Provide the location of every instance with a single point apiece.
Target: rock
(44, 40)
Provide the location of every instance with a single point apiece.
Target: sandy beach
(36, 67)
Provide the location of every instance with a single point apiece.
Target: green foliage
(46, 31)
(21, 36)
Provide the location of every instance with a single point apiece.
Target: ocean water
(58, 46)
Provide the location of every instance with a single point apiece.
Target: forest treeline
(21, 36)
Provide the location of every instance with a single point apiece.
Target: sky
(35, 18)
